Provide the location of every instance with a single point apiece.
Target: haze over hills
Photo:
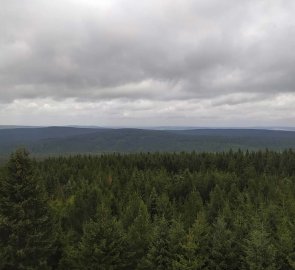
(71, 140)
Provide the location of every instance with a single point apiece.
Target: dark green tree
(139, 235)
(26, 227)
(222, 248)
(103, 244)
(177, 239)
(194, 253)
(153, 208)
(260, 253)
(191, 207)
(285, 244)
(216, 203)
(159, 256)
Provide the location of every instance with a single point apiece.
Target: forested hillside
(70, 140)
(229, 210)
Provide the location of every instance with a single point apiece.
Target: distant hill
(14, 126)
(71, 140)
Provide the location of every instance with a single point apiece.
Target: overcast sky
(147, 62)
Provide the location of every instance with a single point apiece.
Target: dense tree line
(231, 210)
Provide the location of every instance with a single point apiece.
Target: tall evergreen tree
(194, 254)
(260, 253)
(103, 245)
(153, 208)
(216, 203)
(222, 248)
(285, 244)
(159, 256)
(191, 207)
(139, 235)
(26, 227)
(177, 239)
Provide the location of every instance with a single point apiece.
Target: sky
(202, 63)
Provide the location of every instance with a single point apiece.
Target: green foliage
(286, 244)
(153, 207)
(159, 256)
(259, 251)
(26, 226)
(139, 235)
(194, 252)
(232, 210)
(191, 207)
(103, 245)
(223, 254)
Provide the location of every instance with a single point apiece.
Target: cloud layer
(157, 60)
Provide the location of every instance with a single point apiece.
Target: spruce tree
(285, 244)
(153, 208)
(194, 254)
(177, 237)
(191, 207)
(159, 256)
(260, 253)
(223, 252)
(139, 235)
(103, 245)
(26, 227)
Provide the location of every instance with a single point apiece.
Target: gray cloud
(226, 52)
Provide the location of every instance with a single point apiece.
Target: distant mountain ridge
(73, 140)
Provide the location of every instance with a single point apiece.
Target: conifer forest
(147, 135)
(228, 210)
